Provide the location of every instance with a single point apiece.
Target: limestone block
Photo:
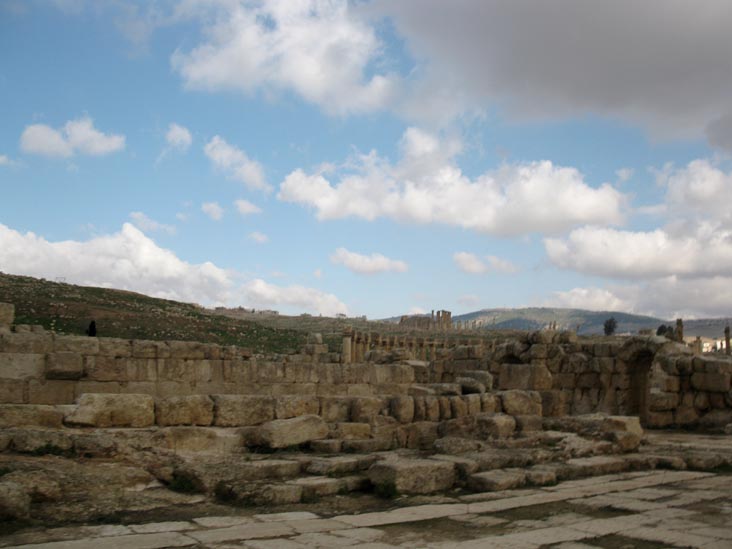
(31, 440)
(364, 409)
(51, 391)
(335, 409)
(105, 368)
(326, 446)
(281, 433)
(446, 389)
(37, 415)
(483, 376)
(184, 410)
(554, 403)
(659, 419)
(351, 431)
(294, 406)
(473, 404)
(539, 351)
(711, 381)
(412, 476)
(445, 407)
(114, 347)
(588, 380)
(490, 403)
(661, 401)
(499, 479)
(64, 365)
(419, 408)
(22, 365)
(110, 410)
(524, 377)
(15, 502)
(716, 419)
(177, 369)
(421, 435)
(242, 410)
(187, 350)
(458, 407)
(7, 314)
(541, 476)
(142, 369)
(402, 409)
(469, 385)
(12, 391)
(83, 345)
(526, 424)
(495, 426)
(144, 349)
(431, 408)
(521, 403)
(39, 485)
(456, 445)
(26, 342)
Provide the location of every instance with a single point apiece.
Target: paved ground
(631, 510)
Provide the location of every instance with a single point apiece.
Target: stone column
(697, 346)
(727, 349)
(346, 349)
(679, 330)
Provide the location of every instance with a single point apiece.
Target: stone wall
(654, 378)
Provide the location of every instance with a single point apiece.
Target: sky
(372, 157)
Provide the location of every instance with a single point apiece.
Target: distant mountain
(585, 322)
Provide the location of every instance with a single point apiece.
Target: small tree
(610, 325)
(662, 330)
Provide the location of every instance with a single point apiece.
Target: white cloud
(321, 50)
(263, 294)
(259, 238)
(77, 136)
(130, 260)
(5, 161)
(696, 242)
(178, 137)
(624, 174)
(539, 59)
(426, 186)
(146, 224)
(244, 207)
(213, 210)
(317, 273)
(668, 297)
(471, 263)
(236, 164)
(367, 264)
(593, 299)
(417, 311)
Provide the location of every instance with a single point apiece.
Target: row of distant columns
(357, 344)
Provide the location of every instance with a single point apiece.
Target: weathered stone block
(659, 419)
(495, 426)
(282, 433)
(114, 347)
(499, 479)
(420, 434)
(242, 410)
(26, 343)
(109, 410)
(335, 409)
(431, 408)
(521, 403)
(402, 409)
(106, 368)
(473, 404)
(82, 345)
(37, 415)
(294, 406)
(526, 424)
(524, 377)
(351, 431)
(412, 476)
(12, 391)
(490, 403)
(15, 502)
(64, 365)
(51, 392)
(184, 410)
(711, 381)
(468, 385)
(22, 365)
(660, 401)
(483, 376)
(364, 409)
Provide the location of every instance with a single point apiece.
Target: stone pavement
(653, 509)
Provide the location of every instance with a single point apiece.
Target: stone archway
(638, 398)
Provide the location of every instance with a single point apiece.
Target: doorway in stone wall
(640, 385)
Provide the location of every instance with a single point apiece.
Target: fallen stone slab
(113, 410)
(412, 476)
(498, 479)
(281, 433)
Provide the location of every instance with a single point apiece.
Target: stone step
(339, 465)
(305, 489)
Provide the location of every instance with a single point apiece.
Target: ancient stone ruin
(144, 424)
